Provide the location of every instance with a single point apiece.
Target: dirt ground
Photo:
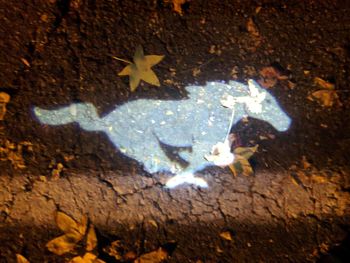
(294, 208)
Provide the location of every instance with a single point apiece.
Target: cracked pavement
(113, 201)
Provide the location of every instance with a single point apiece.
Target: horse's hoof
(186, 178)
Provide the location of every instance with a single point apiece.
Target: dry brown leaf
(115, 250)
(87, 258)
(91, 240)
(21, 259)
(323, 84)
(318, 179)
(77, 259)
(252, 28)
(327, 98)
(12, 152)
(196, 72)
(61, 245)
(156, 256)
(305, 163)
(177, 5)
(241, 164)
(25, 62)
(4, 99)
(269, 77)
(82, 226)
(226, 235)
(254, 33)
(129, 256)
(56, 172)
(294, 181)
(141, 69)
(65, 222)
(74, 232)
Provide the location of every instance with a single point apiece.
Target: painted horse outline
(146, 129)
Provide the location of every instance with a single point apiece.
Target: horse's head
(260, 104)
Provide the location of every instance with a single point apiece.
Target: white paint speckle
(73, 109)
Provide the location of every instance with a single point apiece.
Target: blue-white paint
(145, 130)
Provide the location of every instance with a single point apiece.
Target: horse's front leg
(186, 178)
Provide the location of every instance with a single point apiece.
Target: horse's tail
(84, 114)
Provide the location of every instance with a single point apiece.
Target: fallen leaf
(226, 235)
(87, 258)
(4, 99)
(269, 77)
(257, 10)
(68, 225)
(241, 164)
(219, 250)
(245, 152)
(254, 33)
(91, 240)
(306, 164)
(327, 98)
(177, 5)
(252, 28)
(115, 249)
(141, 69)
(294, 181)
(25, 62)
(65, 222)
(153, 223)
(74, 232)
(56, 172)
(131, 255)
(61, 245)
(323, 84)
(156, 256)
(13, 152)
(196, 72)
(21, 259)
(318, 179)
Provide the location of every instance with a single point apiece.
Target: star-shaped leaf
(73, 232)
(141, 69)
(241, 164)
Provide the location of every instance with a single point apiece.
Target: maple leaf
(141, 69)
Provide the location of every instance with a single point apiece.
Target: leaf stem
(120, 59)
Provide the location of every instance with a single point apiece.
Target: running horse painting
(180, 137)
